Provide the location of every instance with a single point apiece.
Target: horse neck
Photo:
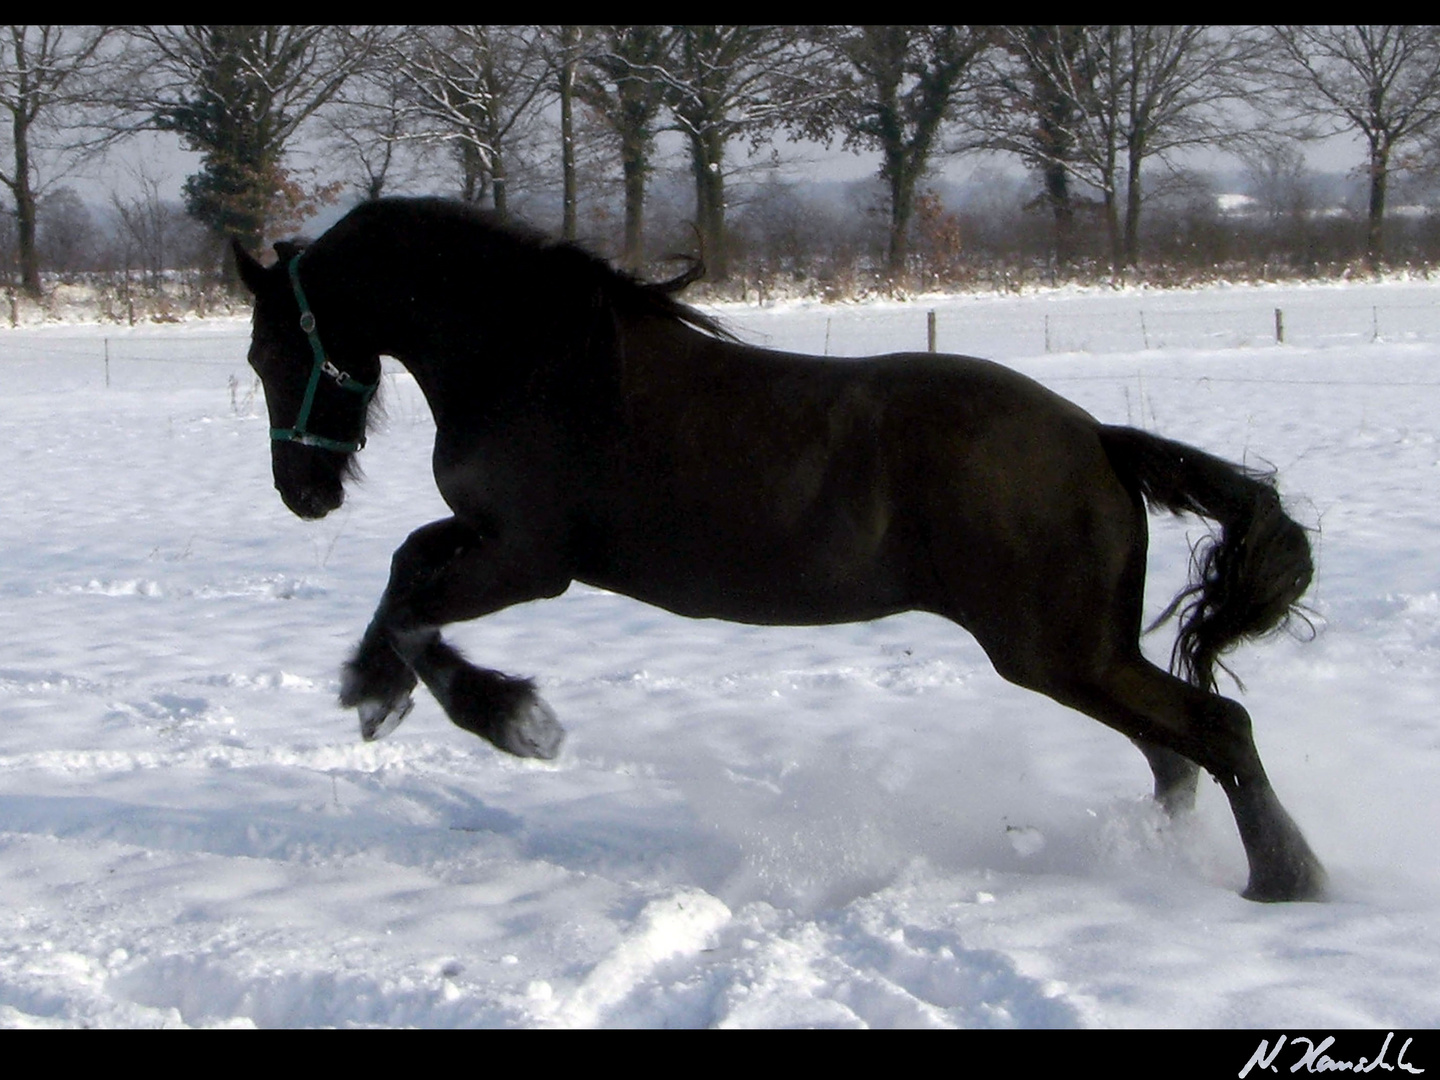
(391, 313)
(458, 341)
(467, 349)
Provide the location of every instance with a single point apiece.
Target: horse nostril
(309, 503)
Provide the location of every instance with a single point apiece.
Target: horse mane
(624, 291)
(630, 293)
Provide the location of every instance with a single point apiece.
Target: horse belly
(791, 595)
(836, 562)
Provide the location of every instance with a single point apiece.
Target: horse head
(317, 410)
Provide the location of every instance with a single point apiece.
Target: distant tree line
(563, 124)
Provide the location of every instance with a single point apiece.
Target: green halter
(322, 366)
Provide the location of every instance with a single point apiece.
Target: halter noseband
(322, 366)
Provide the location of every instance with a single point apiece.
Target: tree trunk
(902, 176)
(707, 153)
(634, 167)
(1057, 193)
(25, 213)
(1112, 231)
(473, 175)
(569, 197)
(498, 185)
(1055, 116)
(1375, 223)
(1132, 209)
(25, 238)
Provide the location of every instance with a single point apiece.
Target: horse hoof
(532, 731)
(378, 718)
(1300, 883)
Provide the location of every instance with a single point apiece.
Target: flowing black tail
(1248, 580)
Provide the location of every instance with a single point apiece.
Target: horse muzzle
(308, 502)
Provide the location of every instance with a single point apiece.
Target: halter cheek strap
(322, 366)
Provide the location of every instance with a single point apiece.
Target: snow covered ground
(748, 827)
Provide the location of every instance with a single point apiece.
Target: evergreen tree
(236, 95)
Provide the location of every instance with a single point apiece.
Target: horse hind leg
(1176, 777)
(1155, 708)
(1094, 670)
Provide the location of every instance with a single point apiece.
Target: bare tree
(1382, 81)
(66, 234)
(1179, 80)
(727, 81)
(1277, 179)
(1110, 98)
(621, 83)
(46, 74)
(564, 49)
(895, 87)
(151, 229)
(1280, 185)
(1028, 107)
(371, 126)
(476, 89)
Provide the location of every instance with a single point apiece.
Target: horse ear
(251, 272)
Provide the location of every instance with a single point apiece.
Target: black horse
(590, 427)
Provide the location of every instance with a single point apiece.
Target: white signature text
(1313, 1058)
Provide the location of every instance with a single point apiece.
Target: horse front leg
(447, 572)
(377, 683)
